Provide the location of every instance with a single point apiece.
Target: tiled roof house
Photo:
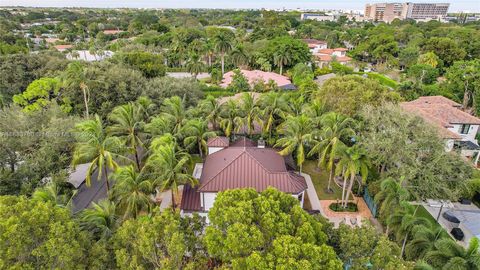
(458, 128)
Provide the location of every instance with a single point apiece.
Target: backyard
(320, 181)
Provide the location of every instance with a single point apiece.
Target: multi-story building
(387, 12)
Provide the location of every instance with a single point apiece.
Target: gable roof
(440, 112)
(243, 167)
(218, 141)
(253, 76)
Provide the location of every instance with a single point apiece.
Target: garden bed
(337, 207)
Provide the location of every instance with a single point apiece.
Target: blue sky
(456, 5)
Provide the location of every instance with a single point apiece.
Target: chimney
(261, 143)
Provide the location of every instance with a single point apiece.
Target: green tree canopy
(249, 228)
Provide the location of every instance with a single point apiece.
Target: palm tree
(212, 109)
(296, 131)
(315, 110)
(52, 193)
(281, 58)
(249, 114)
(450, 255)
(423, 241)
(274, 107)
(404, 220)
(195, 65)
(100, 219)
(197, 134)
(209, 49)
(390, 195)
(353, 161)
(95, 147)
(128, 125)
(223, 45)
(174, 111)
(170, 166)
(335, 129)
(229, 112)
(76, 76)
(238, 55)
(132, 191)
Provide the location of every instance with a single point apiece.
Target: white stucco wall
(470, 136)
(207, 200)
(212, 150)
(449, 145)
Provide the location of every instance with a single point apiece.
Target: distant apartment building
(317, 17)
(387, 12)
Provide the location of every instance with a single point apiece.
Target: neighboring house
(458, 128)
(242, 164)
(85, 55)
(112, 32)
(62, 48)
(85, 195)
(253, 76)
(325, 56)
(315, 45)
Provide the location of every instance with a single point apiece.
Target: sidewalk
(312, 195)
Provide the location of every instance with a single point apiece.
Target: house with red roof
(315, 45)
(62, 48)
(241, 164)
(325, 56)
(254, 76)
(458, 128)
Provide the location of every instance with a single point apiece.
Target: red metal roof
(190, 199)
(248, 167)
(218, 141)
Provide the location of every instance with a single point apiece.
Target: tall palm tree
(173, 110)
(128, 124)
(209, 49)
(353, 161)
(403, 220)
(239, 56)
(52, 193)
(223, 45)
(100, 219)
(274, 107)
(315, 110)
(335, 129)
(423, 241)
(390, 195)
(450, 255)
(212, 109)
(132, 191)
(297, 132)
(170, 167)
(197, 134)
(195, 65)
(229, 112)
(281, 58)
(76, 76)
(95, 147)
(249, 114)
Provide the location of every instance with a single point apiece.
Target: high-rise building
(387, 12)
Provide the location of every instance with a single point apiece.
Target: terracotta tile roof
(63, 47)
(326, 51)
(440, 112)
(241, 167)
(111, 32)
(218, 141)
(329, 58)
(254, 75)
(340, 49)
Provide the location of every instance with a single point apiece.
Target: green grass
(382, 79)
(320, 181)
(422, 212)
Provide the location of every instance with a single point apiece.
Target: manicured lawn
(320, 181)
(422, 212)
